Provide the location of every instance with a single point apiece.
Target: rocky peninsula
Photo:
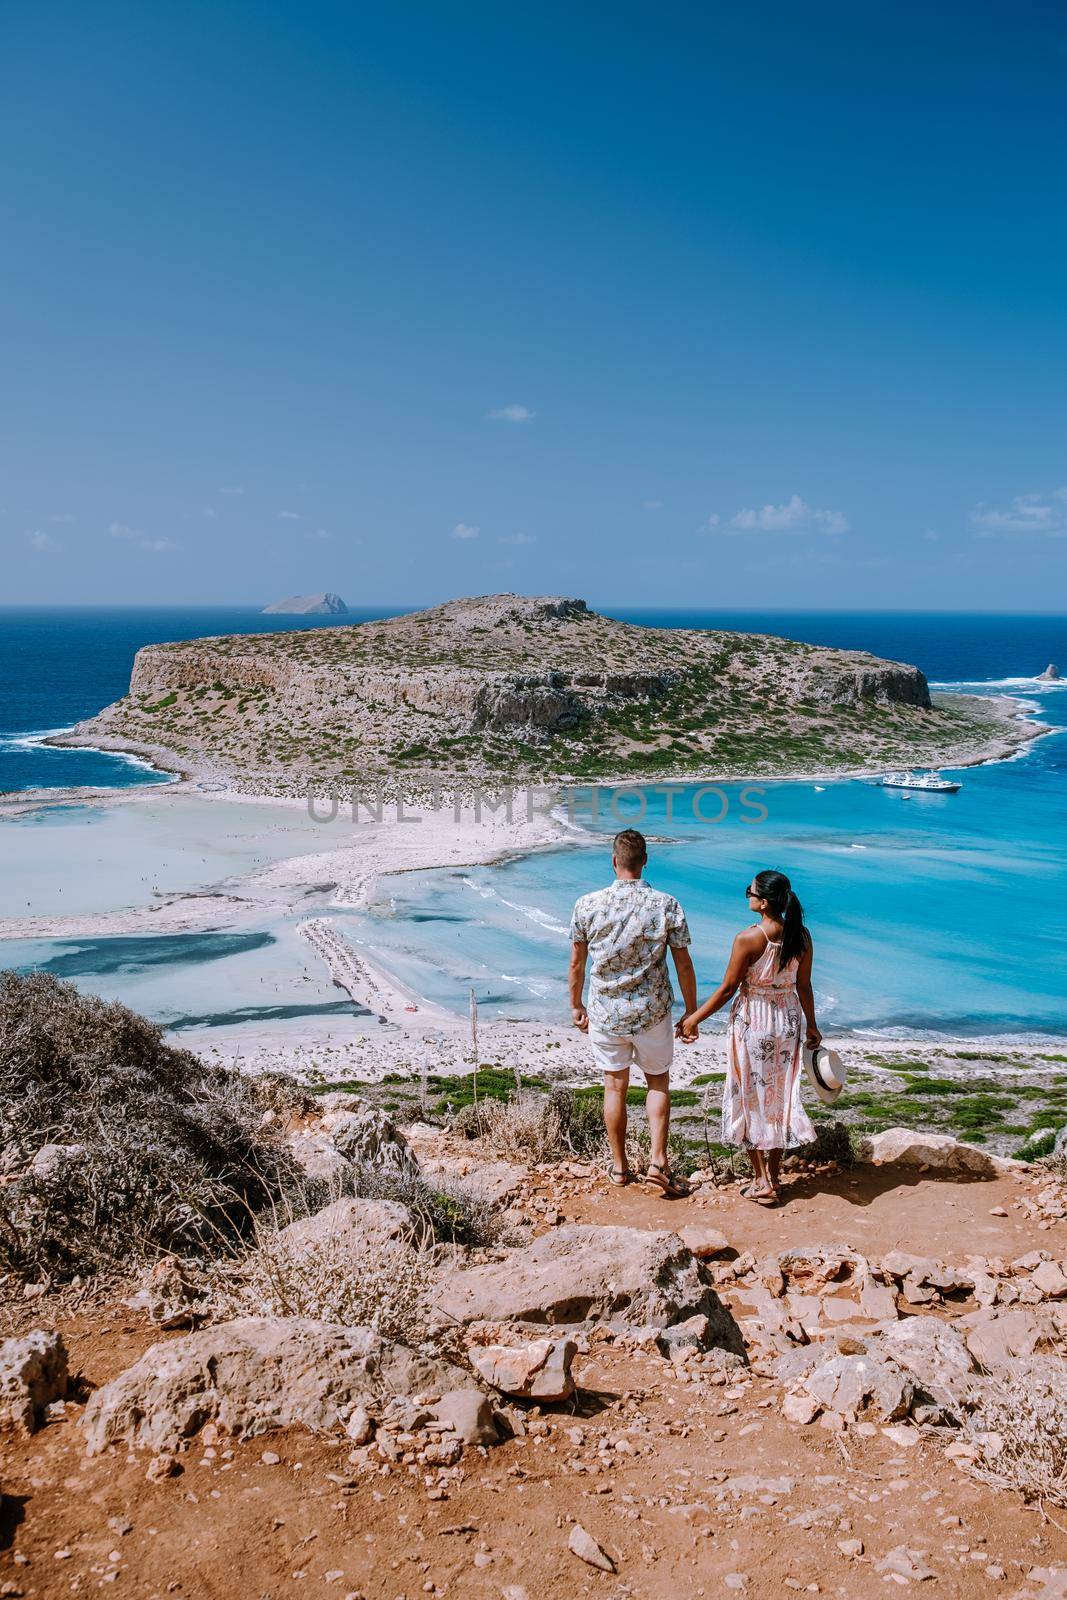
(507, 689)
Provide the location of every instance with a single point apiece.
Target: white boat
(930, 782)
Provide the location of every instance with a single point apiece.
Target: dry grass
(385, 1285)
(163, 1152)
(533, 1127)
(1019, 1430)
(446, 1211)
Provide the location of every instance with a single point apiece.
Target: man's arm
(687, 978)
(579, 954)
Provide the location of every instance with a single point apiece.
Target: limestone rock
(317, 1156)
(998, 1338)
(815, 1267)
(878, 1300)
(861, 1385)
(905, 1563)
(33, 1373)
(577, 1273)
(467, 1413)
(938, 1152)
(800, 1408)
(932, 1352)
(925, 1270)
(167, 1298)
(705, 1242)
(254, 1374)
(1050, 1279)
(346, 1228)
(533, 1369)
(368, 1136)
(585, 1547)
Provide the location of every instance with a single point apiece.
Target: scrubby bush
(445, 1211)
(1019, 1431)
(385, 1285)
(536, 1127)
(833, 1142)
(158, 1150)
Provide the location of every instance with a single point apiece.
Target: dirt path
(693, 1488)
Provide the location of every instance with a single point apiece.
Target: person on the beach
(769, 978)
(625, 931)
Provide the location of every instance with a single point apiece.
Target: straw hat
(826, 1072)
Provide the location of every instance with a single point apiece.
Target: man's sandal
(620, 1177)
(664, 1180)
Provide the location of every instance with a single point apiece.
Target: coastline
(1013, 718)
(345, 876)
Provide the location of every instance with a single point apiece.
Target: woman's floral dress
(761, 1107)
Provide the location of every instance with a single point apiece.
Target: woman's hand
(814, 1038)
(580, 1018)
(687, 1030)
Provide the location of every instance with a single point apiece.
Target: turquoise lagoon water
(933, 914)
(940, 913)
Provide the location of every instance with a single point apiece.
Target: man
(625, 930)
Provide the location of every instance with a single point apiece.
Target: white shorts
(652, 1050)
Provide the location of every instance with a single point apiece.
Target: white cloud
(61, 516)
(466, 530)
(512, 413)
(232, 488)
(794, 516)
(122, 530)
(319, 533)
(289, 516)
(518, 538)
(209, 511)
(651, 505)
(1044, 514)
(42, 541)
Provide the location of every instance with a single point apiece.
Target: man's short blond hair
(629, 849)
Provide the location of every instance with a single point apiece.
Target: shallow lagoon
(937, 913)
(64, 860)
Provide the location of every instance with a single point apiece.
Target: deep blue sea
(58, 665)
(933, 914)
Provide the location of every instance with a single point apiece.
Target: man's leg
(658, 1111)
(615, 1087)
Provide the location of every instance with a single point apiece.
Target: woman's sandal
(664, 1180)
(620, 1177)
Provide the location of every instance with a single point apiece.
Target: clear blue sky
(705, 304)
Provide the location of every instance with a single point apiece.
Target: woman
(769, 978)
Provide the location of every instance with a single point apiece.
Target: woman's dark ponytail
(776, 889)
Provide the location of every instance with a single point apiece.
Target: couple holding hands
(622, 934)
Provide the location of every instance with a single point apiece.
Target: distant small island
(307, 605)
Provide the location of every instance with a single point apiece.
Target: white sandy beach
(194, 856)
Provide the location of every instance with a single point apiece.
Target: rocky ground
(629, 1397)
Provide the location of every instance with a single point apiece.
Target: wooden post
(474, 1046)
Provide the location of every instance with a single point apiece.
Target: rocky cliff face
(506, 684)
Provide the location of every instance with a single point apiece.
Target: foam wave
(1041, 685)
(35, 739)
(536, 915)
